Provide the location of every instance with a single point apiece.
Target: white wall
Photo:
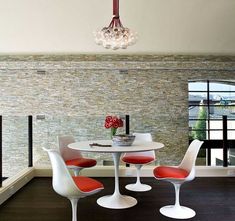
(164, 26)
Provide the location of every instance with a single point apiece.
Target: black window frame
(208, 143)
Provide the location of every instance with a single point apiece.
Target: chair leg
(177, 194)
(138, 168)
(138, 186)
(74, 203)
(177, 211)
(76, 171)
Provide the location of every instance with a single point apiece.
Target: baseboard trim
(210, 171)
(12, 185)
(147, 171)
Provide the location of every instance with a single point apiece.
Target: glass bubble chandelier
(115, 36)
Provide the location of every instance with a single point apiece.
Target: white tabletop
(136, 146)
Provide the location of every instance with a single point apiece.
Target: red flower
(115, 125)
(120, 123)
(108, 119)
(107, 125)
(113, 121)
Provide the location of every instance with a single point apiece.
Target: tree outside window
(199, 129)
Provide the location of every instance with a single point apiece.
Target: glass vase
(113, 132)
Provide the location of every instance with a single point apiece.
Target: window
(209, 101)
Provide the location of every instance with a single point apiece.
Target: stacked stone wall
(74, 93)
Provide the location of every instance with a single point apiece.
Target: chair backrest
(68, 153)
(188, 162)
(62, 181)
(139, 137)
(143, 137)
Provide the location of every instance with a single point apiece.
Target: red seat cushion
(81, 162)
(170, 172)
(137, 159)
(87, 184)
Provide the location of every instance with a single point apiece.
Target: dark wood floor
(212, 198)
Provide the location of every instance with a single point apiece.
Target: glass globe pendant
(115, 36)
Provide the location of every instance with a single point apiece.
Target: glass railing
(15, 133)
(14, 145)
(47, 128)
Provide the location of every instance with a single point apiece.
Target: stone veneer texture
(76, 92)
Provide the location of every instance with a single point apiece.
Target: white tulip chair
(139, 159)
(73, 158)
(70, 187)
(177, 176)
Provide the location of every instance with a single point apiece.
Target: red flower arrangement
(114, 123)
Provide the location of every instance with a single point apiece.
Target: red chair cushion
(87, 184)
(81, 162)
(170, 172)
(137, 159)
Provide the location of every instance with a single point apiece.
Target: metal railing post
(225, 141)
(30, 141)
(208, 123)
(127, 123)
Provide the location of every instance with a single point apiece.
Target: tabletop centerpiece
(113, 122)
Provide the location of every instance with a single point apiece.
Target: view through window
(209, 101)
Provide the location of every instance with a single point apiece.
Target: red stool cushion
(87, 184)
(137, 159)
(81, 162)
(170, 172)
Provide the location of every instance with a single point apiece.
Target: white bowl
(123, 140)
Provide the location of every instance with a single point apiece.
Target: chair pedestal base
(138, 187)
(177, 212)
(117, 201)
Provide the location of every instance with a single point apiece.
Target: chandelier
(115, 36)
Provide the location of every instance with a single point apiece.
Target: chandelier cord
(116, 8)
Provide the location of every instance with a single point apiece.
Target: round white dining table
(116, 200)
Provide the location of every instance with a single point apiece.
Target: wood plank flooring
(213, 199)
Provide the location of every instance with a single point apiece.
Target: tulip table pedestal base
(117, 202)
